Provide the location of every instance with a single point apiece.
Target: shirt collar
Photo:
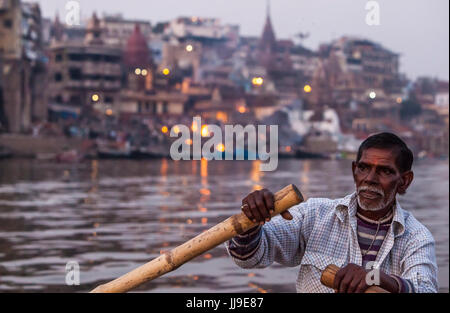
(348, 206)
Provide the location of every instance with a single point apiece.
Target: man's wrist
(389, 283)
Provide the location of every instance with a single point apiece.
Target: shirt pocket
(320, 260)
(311, 268)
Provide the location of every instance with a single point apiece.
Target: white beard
(381, 203)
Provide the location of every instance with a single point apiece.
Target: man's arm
(419, 263)
(419, 272)
(283, 240)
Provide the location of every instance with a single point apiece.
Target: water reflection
(112, 216)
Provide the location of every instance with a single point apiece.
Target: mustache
(371, 189)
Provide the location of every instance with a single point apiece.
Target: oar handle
(222, 232)
(329, 274)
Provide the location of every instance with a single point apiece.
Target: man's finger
(260, 203)
(254, 209)
(269, 199)
(345, 282)
(246, 210)
(286, 215)
(337, 279)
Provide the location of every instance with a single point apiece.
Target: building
(369, 64)
(23, 65)
(116, 30)
(86, 77)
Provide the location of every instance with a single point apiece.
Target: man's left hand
(351, 279)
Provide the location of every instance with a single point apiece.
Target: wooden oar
(222, 232)
(330, 272)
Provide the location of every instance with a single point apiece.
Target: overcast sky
(417, 29)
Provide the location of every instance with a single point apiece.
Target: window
(75, 74)
(58, 57)
(8, 23)
(58, 77)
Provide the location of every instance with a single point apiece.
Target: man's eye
(362, 167)
(387, 171)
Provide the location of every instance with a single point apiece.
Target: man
(367, 234)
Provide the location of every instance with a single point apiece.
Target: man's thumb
(286, 215)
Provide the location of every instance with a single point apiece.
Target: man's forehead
(378, 156)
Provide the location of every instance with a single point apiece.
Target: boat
(5, 153)
(113, 150)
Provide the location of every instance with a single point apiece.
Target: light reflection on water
(112, 216)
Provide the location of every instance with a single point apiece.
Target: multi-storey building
(23, 65)
(85, 76)
(117, 30)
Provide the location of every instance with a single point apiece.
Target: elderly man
(362, 233)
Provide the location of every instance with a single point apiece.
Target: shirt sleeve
(279, 240)
(419, 264)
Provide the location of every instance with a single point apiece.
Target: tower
(268, 43)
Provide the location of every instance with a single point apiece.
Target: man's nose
(372, 177)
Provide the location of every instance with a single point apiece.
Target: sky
(416, 29)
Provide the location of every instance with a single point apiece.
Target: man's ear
(353, 169)
(407, 178)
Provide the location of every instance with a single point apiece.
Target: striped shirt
(324, 232)
(367, 230)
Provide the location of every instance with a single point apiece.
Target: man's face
(378, 179)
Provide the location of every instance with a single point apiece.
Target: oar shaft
(329, 274)
(222, 232)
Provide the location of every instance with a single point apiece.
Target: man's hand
(351, 279)
(259, 205)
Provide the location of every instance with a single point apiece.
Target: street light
(144, 72)
(257, 81)
(95, 97)
(166, 71)
(307, 88)
(189, 48)
(138, 71)
(372, 95)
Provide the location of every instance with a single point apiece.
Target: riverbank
(26, 146)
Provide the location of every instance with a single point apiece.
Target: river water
(112, 216)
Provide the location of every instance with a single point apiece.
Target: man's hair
(404, 159)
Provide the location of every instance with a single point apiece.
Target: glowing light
(208, 256)
(257, 81)
(189, 48)
(194, 19)
(307, 88)
(288, 149)
(109, 112)
(144, 72)
(222, 116)
(138, 71)
(188, 142)
(189, 221)
(205, 192)
(194, 127)
(166, 71)
(95, 97)
(176, 129)
(203, 210)
(221, 147)
(372, 95)
(204, 220)
(242, 109)
(399, 100)
(251, 274)
(164, 129)
(205, 131)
